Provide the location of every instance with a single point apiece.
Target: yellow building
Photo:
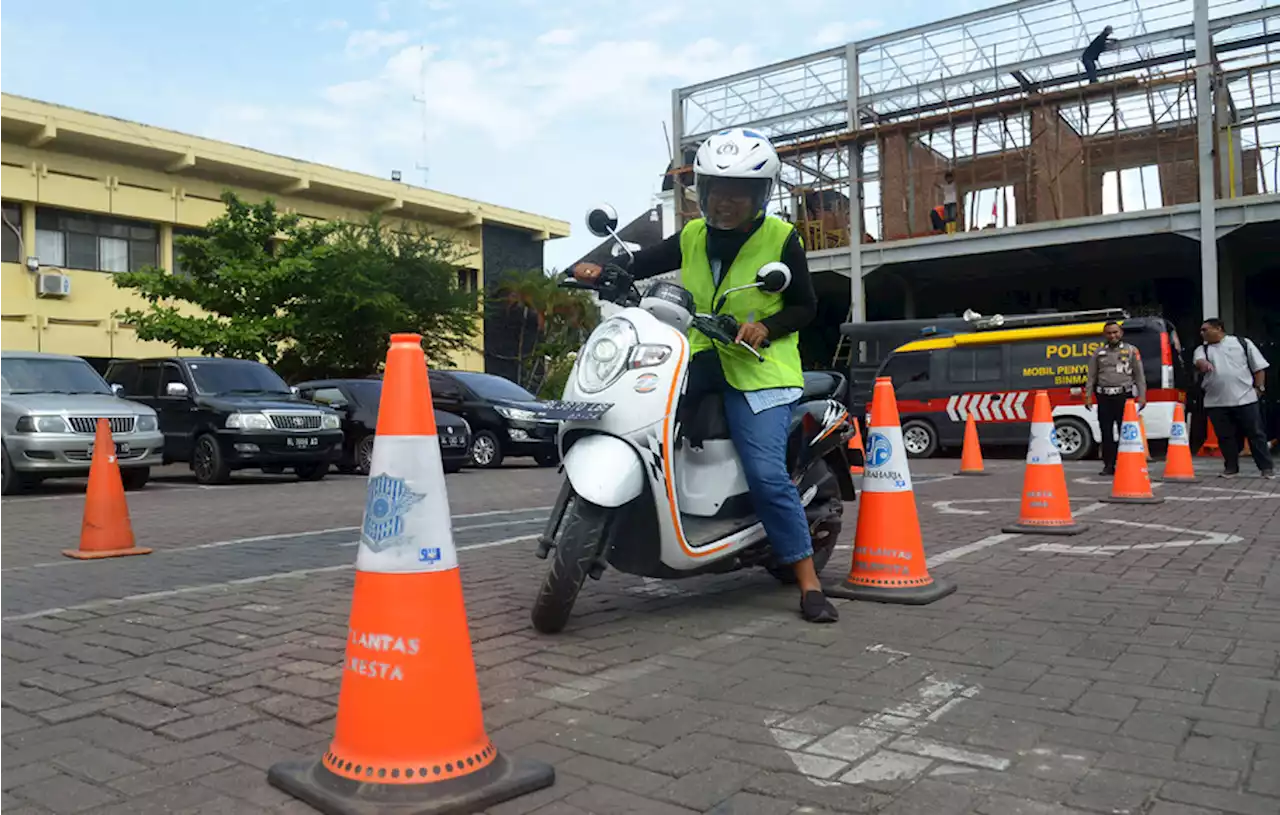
(87, 195)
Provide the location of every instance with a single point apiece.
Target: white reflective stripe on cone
(1043, 448)
(1178, 435)
(1130, 438)
(406, 526)
(885, 469)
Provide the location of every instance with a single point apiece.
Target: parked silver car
(51, 404)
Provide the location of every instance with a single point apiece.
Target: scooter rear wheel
(577, 544)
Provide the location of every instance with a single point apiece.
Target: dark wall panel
(504, 248)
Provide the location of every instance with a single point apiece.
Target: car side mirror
(774, 278)
(602, 221)
(117, 389)
(176, 389)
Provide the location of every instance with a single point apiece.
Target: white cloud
(559, 36)
(841, 32)
(367, 43)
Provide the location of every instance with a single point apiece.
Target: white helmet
(740, 167)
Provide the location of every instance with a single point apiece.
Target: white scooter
(638, 495)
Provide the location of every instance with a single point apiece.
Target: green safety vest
(781, 367)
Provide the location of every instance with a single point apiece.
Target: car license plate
(562, 411)
(122, 448)
(302, 441)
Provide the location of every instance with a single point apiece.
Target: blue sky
(542, 106)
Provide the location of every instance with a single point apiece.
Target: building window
(183, 232)
(468, 279)
(79, 240)
(12, 227)
(1131, 189)
(992, 207)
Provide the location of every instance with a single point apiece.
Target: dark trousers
(1090, 68)
(1110, 416)
(1232, 424)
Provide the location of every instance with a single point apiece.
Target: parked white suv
(51, 404)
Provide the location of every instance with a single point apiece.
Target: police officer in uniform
(1115, 376)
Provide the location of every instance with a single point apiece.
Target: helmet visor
(729, 203)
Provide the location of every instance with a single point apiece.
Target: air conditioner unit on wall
(53, 284)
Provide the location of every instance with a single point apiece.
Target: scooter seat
(824, 385)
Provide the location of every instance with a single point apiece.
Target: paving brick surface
(1064, 679)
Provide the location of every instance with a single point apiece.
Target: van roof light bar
(995, 321)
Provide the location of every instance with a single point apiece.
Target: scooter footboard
(604, 470)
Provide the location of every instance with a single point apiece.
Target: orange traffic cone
(1142, 429)
(1177, 462)
(1046, 507)
(1210, 447)
(888, 554)
(1132, 482)
(971, 454)
(855, 443)
(409, 735)
(105, 530)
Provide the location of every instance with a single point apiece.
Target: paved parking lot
(1131, 669)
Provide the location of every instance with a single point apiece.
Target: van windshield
(227, 376)
(69, 376)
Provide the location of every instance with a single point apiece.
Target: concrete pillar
(166, 247)
(1204, 151)
(857, 291)
(28, 228)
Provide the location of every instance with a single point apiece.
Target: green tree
(309, 299)
(561, 320)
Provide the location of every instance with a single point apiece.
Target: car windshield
(488, 386)
(367, 392)
(227, 376)
(19, 375)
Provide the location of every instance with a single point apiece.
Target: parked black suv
(498, 411)
(358, 400)
(230, 414)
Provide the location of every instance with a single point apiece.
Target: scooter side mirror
(774, 278)
(602, 221)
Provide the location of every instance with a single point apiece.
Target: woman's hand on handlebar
(586, 272)
(753, 334)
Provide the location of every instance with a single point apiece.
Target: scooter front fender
(604, 470)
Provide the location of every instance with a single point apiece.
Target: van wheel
(920, 439)
(1074, 439)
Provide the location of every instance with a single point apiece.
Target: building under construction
(1073, 183)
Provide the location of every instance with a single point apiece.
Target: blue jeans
(761, 442)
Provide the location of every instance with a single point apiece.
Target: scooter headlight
(605, 357)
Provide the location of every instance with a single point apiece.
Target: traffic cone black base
(969, 473)
(911, 596)
(1111, 499)
(1031, 529)
(503, 780)
(1178, 480)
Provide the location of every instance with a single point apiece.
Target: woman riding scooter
(734, 173)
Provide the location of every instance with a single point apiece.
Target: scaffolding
(1001, 100)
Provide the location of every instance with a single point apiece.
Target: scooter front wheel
(578, 543)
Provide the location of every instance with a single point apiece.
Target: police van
(992, 368)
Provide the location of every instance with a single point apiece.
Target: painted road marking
(264, 578)
(309, 533)
(886, 745)
(1204, 539)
